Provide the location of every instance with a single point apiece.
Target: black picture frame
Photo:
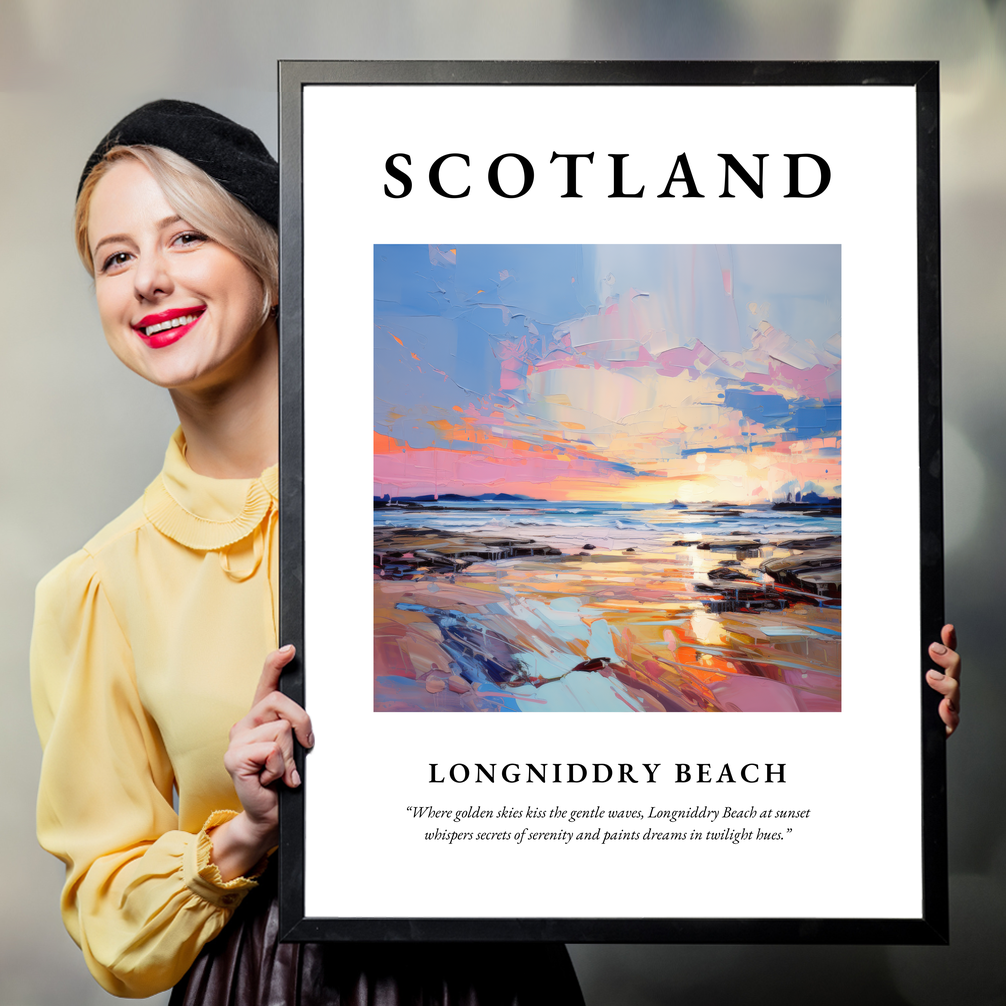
(932, 925)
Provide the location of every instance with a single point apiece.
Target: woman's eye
(114, 261)
(190, 238)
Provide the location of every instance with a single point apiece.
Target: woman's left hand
(947, 682)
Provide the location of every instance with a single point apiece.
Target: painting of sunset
(607, 478)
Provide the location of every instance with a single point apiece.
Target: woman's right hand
(260, 753)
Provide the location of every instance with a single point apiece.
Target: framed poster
(563, 351)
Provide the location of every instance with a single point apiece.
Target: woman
(148, 643)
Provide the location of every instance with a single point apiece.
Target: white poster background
(858, 854)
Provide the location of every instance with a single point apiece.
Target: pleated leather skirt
(246, 965)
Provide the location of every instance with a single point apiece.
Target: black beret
(231, 154)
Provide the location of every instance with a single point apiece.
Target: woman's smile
(159, 330)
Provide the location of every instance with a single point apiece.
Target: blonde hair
(199, 200)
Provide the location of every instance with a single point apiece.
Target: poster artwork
(607, 478)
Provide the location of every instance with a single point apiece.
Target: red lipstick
(166, 327)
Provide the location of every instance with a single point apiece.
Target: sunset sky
(635, 373)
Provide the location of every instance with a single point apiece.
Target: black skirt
(246, 965)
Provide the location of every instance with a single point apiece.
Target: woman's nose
(152, 277)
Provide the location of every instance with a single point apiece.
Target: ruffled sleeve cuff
(203, 878)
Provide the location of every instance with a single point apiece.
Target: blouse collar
(204, 513)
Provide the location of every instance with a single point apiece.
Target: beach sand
(621, 622)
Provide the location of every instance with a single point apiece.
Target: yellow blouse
(147, 647)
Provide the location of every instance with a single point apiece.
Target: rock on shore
(817, 572)
(401, 553)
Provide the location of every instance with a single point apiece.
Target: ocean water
(523, 518)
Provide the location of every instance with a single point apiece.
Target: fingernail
(295, 777)
(287, 649)
(938, 648)
(310, 740)
(936, 675)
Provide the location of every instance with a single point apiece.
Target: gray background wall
(81, 436)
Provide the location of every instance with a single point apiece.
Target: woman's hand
(260, 753)
(947, 682)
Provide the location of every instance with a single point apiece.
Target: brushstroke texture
(569, 443)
